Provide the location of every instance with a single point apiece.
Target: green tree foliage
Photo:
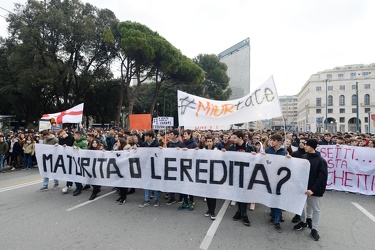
(216, 82)
(56, 51)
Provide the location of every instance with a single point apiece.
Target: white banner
(195, 111)
(272, 180)
(350, 168)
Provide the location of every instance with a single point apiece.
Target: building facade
(339, 99)
(237, 58)
(290, 112)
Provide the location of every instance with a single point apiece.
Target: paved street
(52, 220)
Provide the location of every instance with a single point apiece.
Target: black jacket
(318, 173)
(154, 143)
(190, 143)
(298, 153)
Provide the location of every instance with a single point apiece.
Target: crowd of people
(17, 150)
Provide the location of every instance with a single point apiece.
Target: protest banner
(140, 121)
(350, 168)
(201, 113)
(275, 181)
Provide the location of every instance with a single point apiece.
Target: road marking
(367, 213)
(22, 184)
(88, 202)
(214, 226)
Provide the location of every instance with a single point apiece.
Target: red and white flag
(73, 115)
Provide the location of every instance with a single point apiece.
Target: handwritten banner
(350, 168)
(263, 103)
(275, 181)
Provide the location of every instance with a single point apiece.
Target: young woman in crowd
(28, 151)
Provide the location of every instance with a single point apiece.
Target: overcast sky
(289, 39)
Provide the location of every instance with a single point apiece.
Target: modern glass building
(237, 58)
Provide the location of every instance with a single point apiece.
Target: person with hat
(315, 188)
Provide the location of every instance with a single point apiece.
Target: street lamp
(357, 120)
(326, 120)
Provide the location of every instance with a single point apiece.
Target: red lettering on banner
(211, 109)
(358, 180)
(347, 179)
(373, 182)
(336, 177)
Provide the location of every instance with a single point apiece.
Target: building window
(330, 88)
(329, 76)
(352, 75)
(367, 86)
(354, 110)
(367, 110)
(342, 87)
(342, 100)
(330, 111)
(365, 74)
(367, 99)
(318, 88)
(342, 119)
(366, 119)
(354, 87)
(342, 111)
(354, 99)
(318, 101)
(330, 100)
(318, 111)
(340, 76)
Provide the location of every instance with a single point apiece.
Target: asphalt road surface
(52, 220)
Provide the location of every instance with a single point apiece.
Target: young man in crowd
(174, 142)
(239, 145)
(315, 189)
(276, 149)
(327, 140)
(79, 143)
(49, 140)
(188, 143)
(150, 142)
(211, 202)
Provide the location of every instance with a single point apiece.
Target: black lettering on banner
(198, 170)
(231, 173)
(60, 164)
(153, 175)
(241, 165)
(78, 167)
(212, 169)
(101, 160)
(137, 163)
(268, 92)
(256, 97)
(184, 169)
(70, 164)
(238, 105)
(93, 168)
(85, 162)
(112, 162)
(167, 168)
(45, 159)
(283, 180)
(265, 181)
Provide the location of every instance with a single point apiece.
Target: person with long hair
(94, 145)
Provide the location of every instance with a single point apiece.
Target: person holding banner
(188, 143)
(315, 189)
(49, 140)
(94, 145)
(79, 143)
(150, 142)
(276, 149)
(173, 143)
(211, 202)
(239, 145)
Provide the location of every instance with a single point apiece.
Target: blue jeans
(147, 195)
(1, 162)
(276, 214)
(46, 180)
(27, 161)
